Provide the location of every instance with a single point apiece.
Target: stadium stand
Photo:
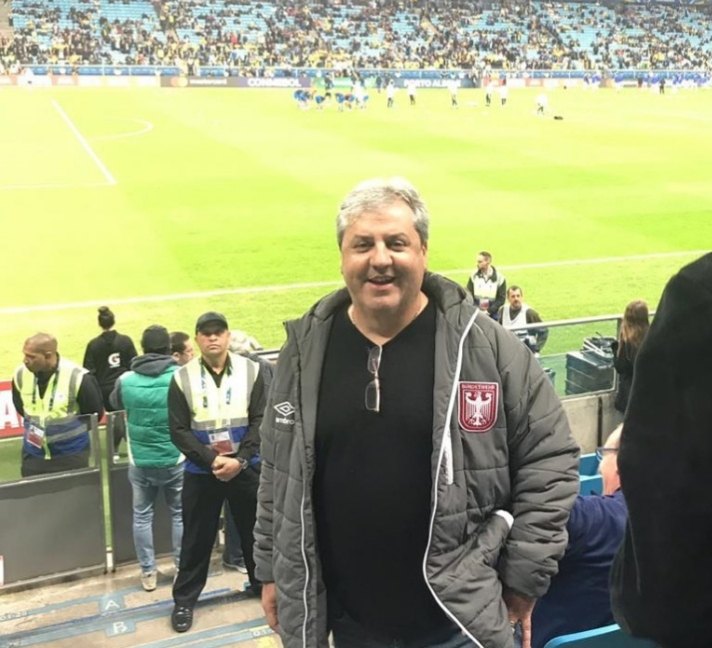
(536, 35)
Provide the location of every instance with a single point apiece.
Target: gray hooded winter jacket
(501, 446)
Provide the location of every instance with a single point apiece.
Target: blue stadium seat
(588, 464)
(607, 637)
(591, 485)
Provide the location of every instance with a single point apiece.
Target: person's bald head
(40, 353)
(609, 462)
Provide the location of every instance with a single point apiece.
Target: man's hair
(513, 288)
(106, 317)
(374, 195)
(42, 343)
(485, 254)
(178, 340)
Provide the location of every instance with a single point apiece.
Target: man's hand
(520, 608)
(225, 468)
(269, 605)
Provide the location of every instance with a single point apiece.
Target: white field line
(147, 128)
(18, 310)
(39, 187)
(85, 145)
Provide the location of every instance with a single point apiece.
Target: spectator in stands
(181, 348)
(487, 286)
(155, 464)
(420, 485)
(517, 313)
(634, 329)
(578, 598)
(51, 394)
(107, 357)
(660, 580)
(216, 403)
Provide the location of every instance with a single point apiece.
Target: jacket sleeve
(543, 465)
(471, 288)
(115, 399)
(265, 497)
(250, 445)
(501, 297)
(89, 397)
(541, 334)
(89, 362)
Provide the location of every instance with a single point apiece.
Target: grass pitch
(221, 189)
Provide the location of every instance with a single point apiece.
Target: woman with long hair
(634, 328)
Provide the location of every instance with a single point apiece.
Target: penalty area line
(85, 145)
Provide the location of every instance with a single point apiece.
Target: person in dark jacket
(634, 328)
(155, 464)
(108, 356)
(661, 575)
(579, 598)
(418, 468)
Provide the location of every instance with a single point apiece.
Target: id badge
(35, 436)
(221, 442)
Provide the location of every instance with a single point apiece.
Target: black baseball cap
(211, 317)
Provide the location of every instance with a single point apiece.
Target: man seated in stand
(578, 598)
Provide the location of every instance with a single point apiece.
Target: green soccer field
(166, 203)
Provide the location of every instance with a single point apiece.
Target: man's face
(213, 340)
(483, 263)
(186, 355)
(383, 260)
(515, 299)
(609, 471)
(36, 360)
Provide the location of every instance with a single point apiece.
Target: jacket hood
(152, 364)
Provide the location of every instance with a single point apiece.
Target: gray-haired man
(417, 465)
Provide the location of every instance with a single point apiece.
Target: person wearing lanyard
(216, 404)
(50, 393)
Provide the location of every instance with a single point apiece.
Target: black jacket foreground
(661, 587)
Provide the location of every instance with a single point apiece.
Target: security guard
(51, 393)
(487, 286)
(216, 403)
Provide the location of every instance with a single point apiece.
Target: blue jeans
(146, 483)
(349, 634)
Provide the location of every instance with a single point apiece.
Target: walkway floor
(113, 611)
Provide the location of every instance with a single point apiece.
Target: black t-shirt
(107, 357)
(373, 479)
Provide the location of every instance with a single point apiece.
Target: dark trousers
(33, 466)
(203, 497)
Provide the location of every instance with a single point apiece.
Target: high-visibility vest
(219, 415)
(52, 423)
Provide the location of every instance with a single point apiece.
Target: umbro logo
(286, 409)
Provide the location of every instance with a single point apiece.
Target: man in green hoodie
(154, 462)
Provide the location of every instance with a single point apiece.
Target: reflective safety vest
(219, 415)
(519, 320)
(486, 287)
(52, 423)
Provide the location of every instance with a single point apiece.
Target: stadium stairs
(5, 29)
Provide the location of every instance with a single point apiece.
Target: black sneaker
(182, 618)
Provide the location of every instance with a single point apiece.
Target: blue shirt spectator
(579, 598)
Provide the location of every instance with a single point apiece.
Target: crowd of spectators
(372, 34)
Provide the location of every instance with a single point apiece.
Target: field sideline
(223, 194)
